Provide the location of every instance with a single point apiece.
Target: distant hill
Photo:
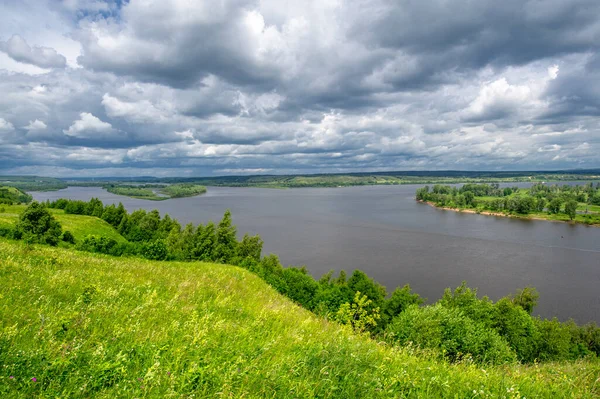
(33, 183)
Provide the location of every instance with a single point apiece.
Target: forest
(461, 325)
(578, 203)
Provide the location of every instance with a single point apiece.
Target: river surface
(383, 231)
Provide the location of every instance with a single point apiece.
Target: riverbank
(537, 216)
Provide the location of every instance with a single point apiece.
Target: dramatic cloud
(173, 87)
(44, 57)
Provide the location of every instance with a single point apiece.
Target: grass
(79, 225)
(86, 325)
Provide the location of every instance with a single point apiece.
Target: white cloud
(89, 127)
(35, 126)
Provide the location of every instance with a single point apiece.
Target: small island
(565, 203)
(156, 192)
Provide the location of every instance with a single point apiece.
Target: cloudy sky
(215, 87)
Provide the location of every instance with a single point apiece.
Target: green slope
(88, 326)
(79, 225)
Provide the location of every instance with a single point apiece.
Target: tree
(250, 246)
(540, 204)
(526, 298)
(360, 314)
(226, 239)
(571, 209)
(469, 197)
(36, 224)
(554, 205)
(400, 300)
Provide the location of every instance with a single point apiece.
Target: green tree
(225, 248)
(250, 247)
(360, 314)
(571, 209)
(555, 205)
(36, 224)
(540, 204)
(400, 300)
(205, 243)
(526, 298)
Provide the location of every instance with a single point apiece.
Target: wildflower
(168, 373)
(12, 377)
(34, 379)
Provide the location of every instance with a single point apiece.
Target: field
(79, 225)
(74, 325)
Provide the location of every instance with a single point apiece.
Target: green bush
(36, 224)
(67, 236)
(452, 332)
(156, 250)
(518, 328)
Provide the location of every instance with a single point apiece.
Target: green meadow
(80, 325)
(79, 225)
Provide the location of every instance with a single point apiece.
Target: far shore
(490, 213)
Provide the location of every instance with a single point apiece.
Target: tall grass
(81, 325)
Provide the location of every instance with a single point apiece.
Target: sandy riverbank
(490, 213)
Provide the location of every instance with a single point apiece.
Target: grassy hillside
(79, 225)
(12, 195)
(74, 324)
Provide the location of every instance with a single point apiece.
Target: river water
(383, 231)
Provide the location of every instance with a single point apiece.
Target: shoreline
(490, 213)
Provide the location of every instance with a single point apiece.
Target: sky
(223, 87)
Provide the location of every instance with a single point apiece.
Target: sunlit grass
(87, 325)
(79, 225)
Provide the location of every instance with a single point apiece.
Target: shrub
(359, 314)
(36, 224)
(518, 328)
(301, 287)
(155, 250)
(450, 331)
(67, 236)
(400, 300)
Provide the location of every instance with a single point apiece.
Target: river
(383, 231)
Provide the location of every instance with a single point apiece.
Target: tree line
(553, 199)
(460, 326)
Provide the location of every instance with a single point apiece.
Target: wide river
(383, 231)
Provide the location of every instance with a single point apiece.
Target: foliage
(400, 300)
(571, 209)
(526, 298)
(183, 190)
(566, 203)
(149, 235)
(68, 237)
(36, 224)
(12, 195)
(360, 314)
(155, 192)
(452, 332)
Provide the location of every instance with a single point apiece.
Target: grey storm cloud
(174, 87)
(44, 57)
